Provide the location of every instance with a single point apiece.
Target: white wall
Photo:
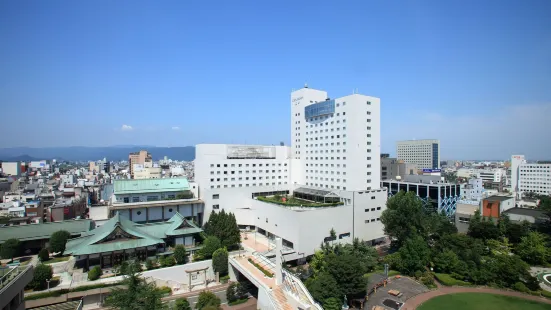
(306, 228)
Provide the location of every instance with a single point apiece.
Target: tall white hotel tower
(335, 143)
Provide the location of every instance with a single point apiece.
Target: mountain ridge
(85, 153)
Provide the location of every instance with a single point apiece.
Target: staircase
(281, 301)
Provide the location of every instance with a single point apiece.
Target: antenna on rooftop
(305, 85)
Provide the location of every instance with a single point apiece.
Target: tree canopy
(9, 249)
(223, 226)
(220, 261)
(180, 254)
(210, 245)
(207, 300)
(58, 240)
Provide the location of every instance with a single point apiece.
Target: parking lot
(407, 287)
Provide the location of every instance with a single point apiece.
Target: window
(378, 208)
(372, 197)
(152, 198)
(126, 200)
(215, 196)
(137, 199)
(171, 197)
(366, 210)
(215, 207)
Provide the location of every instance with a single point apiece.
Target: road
(219, 292)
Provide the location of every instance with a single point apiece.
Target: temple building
(120, 239)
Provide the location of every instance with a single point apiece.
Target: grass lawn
(56, 260)
(481, 301)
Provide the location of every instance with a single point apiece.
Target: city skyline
(159, 75)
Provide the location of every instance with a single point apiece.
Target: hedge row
(60, 292)
(297, 204)
(447, 280)
(264, 271)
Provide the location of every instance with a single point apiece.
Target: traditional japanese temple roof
(119, 233)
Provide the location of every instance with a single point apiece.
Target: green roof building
(35, 236)
(120, 239)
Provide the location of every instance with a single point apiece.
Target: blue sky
(474, 74)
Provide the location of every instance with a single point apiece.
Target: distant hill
(82, 153)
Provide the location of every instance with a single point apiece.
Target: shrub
(224, 279)
(418, 274)
(207, 299)
(167, 261)
(150, 264)
(447, 280)
(94, 273)
(43, 255)
(182, 304)
(41, 274)
(180, 254)
(165, 290)
(545, 293)
(235, 292)
(220, 261)
(519, 286)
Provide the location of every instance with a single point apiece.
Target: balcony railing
(9, 275)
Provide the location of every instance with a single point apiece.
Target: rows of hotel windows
(246, 165)
(247, 184)
(327, 123)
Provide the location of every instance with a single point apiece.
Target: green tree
(348, 271)
(211, 244)
(224, 226)
(220, 261)
(43, 255)
(499, 247)
(482, 228)
(515, 231)
(9, 249)
(533, 248)
(137, 294)
(42, 273)
(94, 273)
(332, 304)
(149, 264)
(182, 304)
(317, 262)
(446, 262)
(58, 240)
(414, 255)
(323, 287)
(405, 216)
(207, 299)
(180, 254)
(236, 291)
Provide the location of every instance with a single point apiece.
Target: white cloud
(175, 128)
(126, 128)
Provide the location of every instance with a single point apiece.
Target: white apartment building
(335, 143)
(424, 153)
(491, 175)
(529, 177)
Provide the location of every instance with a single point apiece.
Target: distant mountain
(24, 158)
(83, 153)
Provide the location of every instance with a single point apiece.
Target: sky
(474, 74)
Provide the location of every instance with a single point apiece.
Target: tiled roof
(142, 235)
(44, 230)
(150, 185)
